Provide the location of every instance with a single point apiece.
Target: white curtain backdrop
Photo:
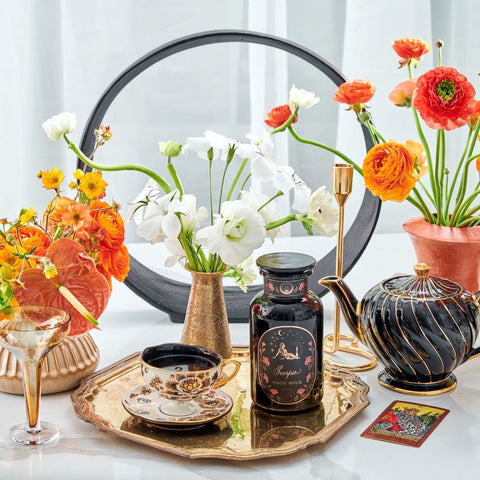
(60, 55)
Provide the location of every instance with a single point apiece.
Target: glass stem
(31, 371)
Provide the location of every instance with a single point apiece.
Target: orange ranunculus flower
(355, 94)
(52, 216)
(279, 115)
(477, 164)
(472, 121)
(410, 49)
(33, 237)
(417, 150)
(111, 222)
(444, 98)
(402, 94)
(114, 263)
(389, 171)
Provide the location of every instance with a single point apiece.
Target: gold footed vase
(62, 369)
(206, 320)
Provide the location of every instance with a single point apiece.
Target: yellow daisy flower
(52, 179)
(92, 185)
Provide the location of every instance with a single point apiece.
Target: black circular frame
(170, 295)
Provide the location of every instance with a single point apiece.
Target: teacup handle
(222, 381)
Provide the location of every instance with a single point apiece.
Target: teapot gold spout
(420, 327)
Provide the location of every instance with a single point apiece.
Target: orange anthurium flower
(389, 171)
(76, 272)
(355, 94)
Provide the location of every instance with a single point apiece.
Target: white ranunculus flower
(192, 217)
(301, 98)
(219, 144)
(323, 212)
(269, 213)
(236, 233)
(158, 217)
(59, 125)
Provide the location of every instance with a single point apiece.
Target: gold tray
(245, 433)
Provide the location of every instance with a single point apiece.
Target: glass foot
(22, 435)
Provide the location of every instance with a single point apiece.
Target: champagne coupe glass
(29, 333)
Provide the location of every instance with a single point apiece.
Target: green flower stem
(278, 223)
(421, 205)
(427, 152)
(229, 159)
(237, 177)
(469, 222)
(287, 123)
(462, 190)
(247, 178)
(176, 179)
(113, 168)
(190, 252)
(325, 147)
(460, 214)
(473, 139)
(427, 193)
(278, 194)
(457, 171)
(439, 172)
(409, 67)
(210, 161)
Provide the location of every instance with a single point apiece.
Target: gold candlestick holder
(342, 188)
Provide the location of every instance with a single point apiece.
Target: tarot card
(405, 423)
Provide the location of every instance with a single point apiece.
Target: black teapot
(420, 327)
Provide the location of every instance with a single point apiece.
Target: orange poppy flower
(355, 94)
(389, 171)
(279, 115)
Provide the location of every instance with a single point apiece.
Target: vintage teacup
(180, 372)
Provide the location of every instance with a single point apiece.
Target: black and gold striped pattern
(421, 328)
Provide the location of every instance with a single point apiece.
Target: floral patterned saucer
(145, 404)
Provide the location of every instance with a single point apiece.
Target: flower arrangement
(444, 100)
(224, 236)
(67, 256)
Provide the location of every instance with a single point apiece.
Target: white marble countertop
(129, 325)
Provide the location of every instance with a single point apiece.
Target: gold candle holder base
(352, 348)
(342, 187)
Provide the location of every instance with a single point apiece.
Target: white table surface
(130, 324)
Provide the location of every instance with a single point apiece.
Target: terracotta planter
(451, 252)
(206, 320)
(62, 369)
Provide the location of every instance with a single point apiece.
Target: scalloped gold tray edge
(243, 435)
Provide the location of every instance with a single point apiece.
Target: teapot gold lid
(421, 285)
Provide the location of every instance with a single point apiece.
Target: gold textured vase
(206, 320)
(62, 369)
